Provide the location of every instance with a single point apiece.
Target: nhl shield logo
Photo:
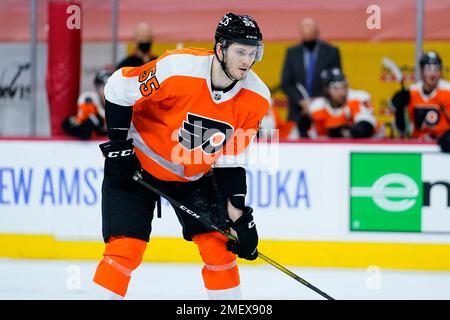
(201, 132)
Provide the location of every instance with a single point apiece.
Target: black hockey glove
(248, 236)
(444, 142)
(362, 129)
(401, 99)
(339, 132)
(120, 160)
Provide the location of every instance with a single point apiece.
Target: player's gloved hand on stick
(444, 142)
(401, 99)
(248, 236)
(120, 160)
(340, 132)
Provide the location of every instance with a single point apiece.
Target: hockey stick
(303, 91)
(392, 67)
(206, 221)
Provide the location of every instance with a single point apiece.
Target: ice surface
(63, 279)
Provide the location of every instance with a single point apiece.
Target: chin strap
(222, 63)
(224, 66)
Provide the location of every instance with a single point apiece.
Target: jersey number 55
(148, 82)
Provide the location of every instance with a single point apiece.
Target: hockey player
(341, 112)
(173, 117)
(426, 104)
(90, 118)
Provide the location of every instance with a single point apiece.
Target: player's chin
(432, 82)
(240, 74)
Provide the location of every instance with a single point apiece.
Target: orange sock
(122, 255)
(220, 271)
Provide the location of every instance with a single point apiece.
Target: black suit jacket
(294, 73)
(133, 61)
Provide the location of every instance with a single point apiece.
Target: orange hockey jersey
(358, 108)
(429, 115)
(89, 105)
(180, 126)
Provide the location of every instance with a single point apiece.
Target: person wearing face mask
(301, 72)
(423, 110)
(143, 38)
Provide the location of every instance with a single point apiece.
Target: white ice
(57, 279)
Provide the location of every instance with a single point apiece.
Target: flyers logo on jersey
(426, 117)
(209, 134)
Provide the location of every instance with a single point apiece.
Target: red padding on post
(64, 63)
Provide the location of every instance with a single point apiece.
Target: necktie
(310, 72)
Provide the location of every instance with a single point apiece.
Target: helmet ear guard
(224, 43)
(222, 60)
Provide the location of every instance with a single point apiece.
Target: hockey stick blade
(391, 66)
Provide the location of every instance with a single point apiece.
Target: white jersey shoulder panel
(253, 83)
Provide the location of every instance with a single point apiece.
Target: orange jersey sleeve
(318, 117)
(85, 110)
(130, 85)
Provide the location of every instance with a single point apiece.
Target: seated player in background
(341, 112)
(423, 110)
(89, 121)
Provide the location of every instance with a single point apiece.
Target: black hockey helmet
(242, 29)
(430, 57)
(330, 76)
(101, 76)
